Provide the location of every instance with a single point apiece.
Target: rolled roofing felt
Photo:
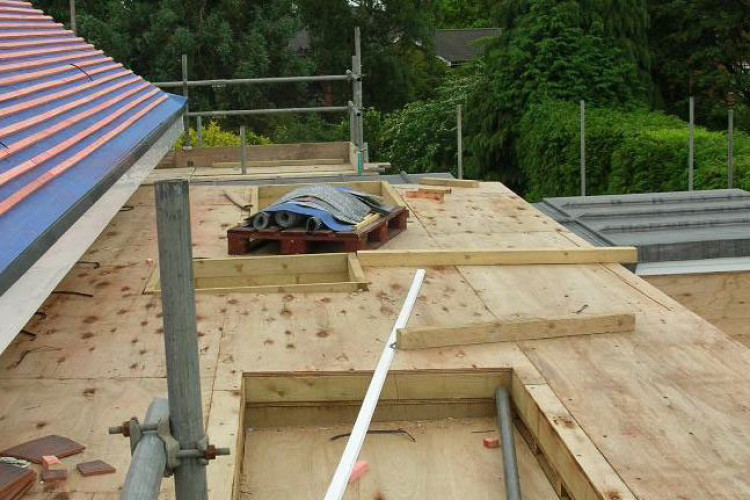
(287, 219)
(313, 224)
(261, 221)
(325, 217)
(341, 205)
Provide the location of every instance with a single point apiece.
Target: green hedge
(215, 137)
(626, 152)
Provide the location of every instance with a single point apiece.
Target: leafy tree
(396, 46)
(421, 137)
(549, 49)
(701, 48)
(222, 38)
(466, 13)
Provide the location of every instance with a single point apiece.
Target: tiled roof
(458, 46)
(71, 122)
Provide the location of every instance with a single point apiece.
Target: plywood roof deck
(658, 413)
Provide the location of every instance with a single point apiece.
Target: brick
(95, 468)
(49, 476)
(491, 442)
(359, 470)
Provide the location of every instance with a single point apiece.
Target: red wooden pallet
(295, 241)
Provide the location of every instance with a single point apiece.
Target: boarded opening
(427, 443)
(338, 272)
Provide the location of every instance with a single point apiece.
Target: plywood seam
(597, 489)
(640, 290)
(601, 454)
(216, 364)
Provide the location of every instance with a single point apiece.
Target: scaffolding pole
(243, 150)
(583, 147)
(149, 458)
(199, 131)
(357, 87)
(270, 111)
(180, 333)
(186, 94)
(73, 23)
(257, 81)
(730, 149)
(691, 152)
(460, 142)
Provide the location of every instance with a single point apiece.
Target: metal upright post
(199, 131)
(180, 333)
(352, 123)
(730, 149)
(243, 150)
(73, 24)
(583, 147)
(460, 142)
(186, 94)
(691, 153)
(358, 99)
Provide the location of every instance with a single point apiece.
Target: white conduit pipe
(357, 438)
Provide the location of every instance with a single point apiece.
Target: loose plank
(514, 330)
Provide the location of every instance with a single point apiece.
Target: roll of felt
(261, 221)
(287, 219)
(313, 224)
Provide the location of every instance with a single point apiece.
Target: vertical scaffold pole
(583, 147)
(180, 333)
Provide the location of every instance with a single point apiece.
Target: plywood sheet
(721, 298)
(446, 461)
(668, 395)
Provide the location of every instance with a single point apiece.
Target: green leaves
(626, 152)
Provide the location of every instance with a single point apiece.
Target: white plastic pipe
(357, 438)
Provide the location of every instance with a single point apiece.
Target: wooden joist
(440, 181)
(514, 330)
(497, 257)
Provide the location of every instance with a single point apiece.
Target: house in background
(458, 46)
(454, 47)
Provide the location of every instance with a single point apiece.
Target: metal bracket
(204, 451)
(170, 445)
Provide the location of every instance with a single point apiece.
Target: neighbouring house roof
(458, 46)
(675, 226)
(72, 123)
(300, 42)
(452, 46)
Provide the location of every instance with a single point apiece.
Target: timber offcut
(619, 391)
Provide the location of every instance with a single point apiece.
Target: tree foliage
(549, 49)
(421, 137)
(251, 38)
(626, 152)
(396, 45)
(701, 48)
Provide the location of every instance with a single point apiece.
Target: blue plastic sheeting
(325, 217)
(33, 223)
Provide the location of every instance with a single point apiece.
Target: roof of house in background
(457, 46)
(676, 226)
(300, 42)
(453, 46)
(72, 120)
